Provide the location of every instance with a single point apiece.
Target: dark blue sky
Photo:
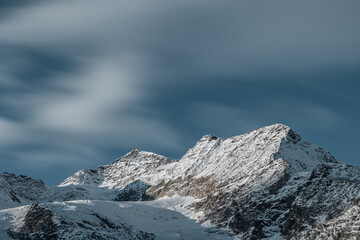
(83, 82)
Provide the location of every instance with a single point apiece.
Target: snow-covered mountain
(136, 165)
(126, 179)
(269, 183)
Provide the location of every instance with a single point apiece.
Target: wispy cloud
(79, 79)
(245, 39)
(97, 93)
(11, 132)
(99, 106)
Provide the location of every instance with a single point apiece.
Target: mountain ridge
(268, 183)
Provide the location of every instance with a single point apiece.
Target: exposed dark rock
(294, 137)
(14, 197)
(38, 224)
(135, 191)
(188, 186)
(38, 219)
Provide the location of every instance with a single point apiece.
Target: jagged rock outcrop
(37, 224)
(21, 189)
(345, 226)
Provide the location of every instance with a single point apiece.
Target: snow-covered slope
(127, 178)
(266, 184)
(101, 220)
(255, 151)
(248, 161)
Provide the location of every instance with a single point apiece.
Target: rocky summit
(266, 184)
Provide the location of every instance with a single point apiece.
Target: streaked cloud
(80, 80)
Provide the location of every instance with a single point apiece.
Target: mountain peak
(136, 164)
(272, 148)
(208, 137)
(277, 127)
(138, 155)
(277, 131)
(132, 153)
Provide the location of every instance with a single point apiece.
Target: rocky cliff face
(269, 183)
(344, 226)
(21, 189)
